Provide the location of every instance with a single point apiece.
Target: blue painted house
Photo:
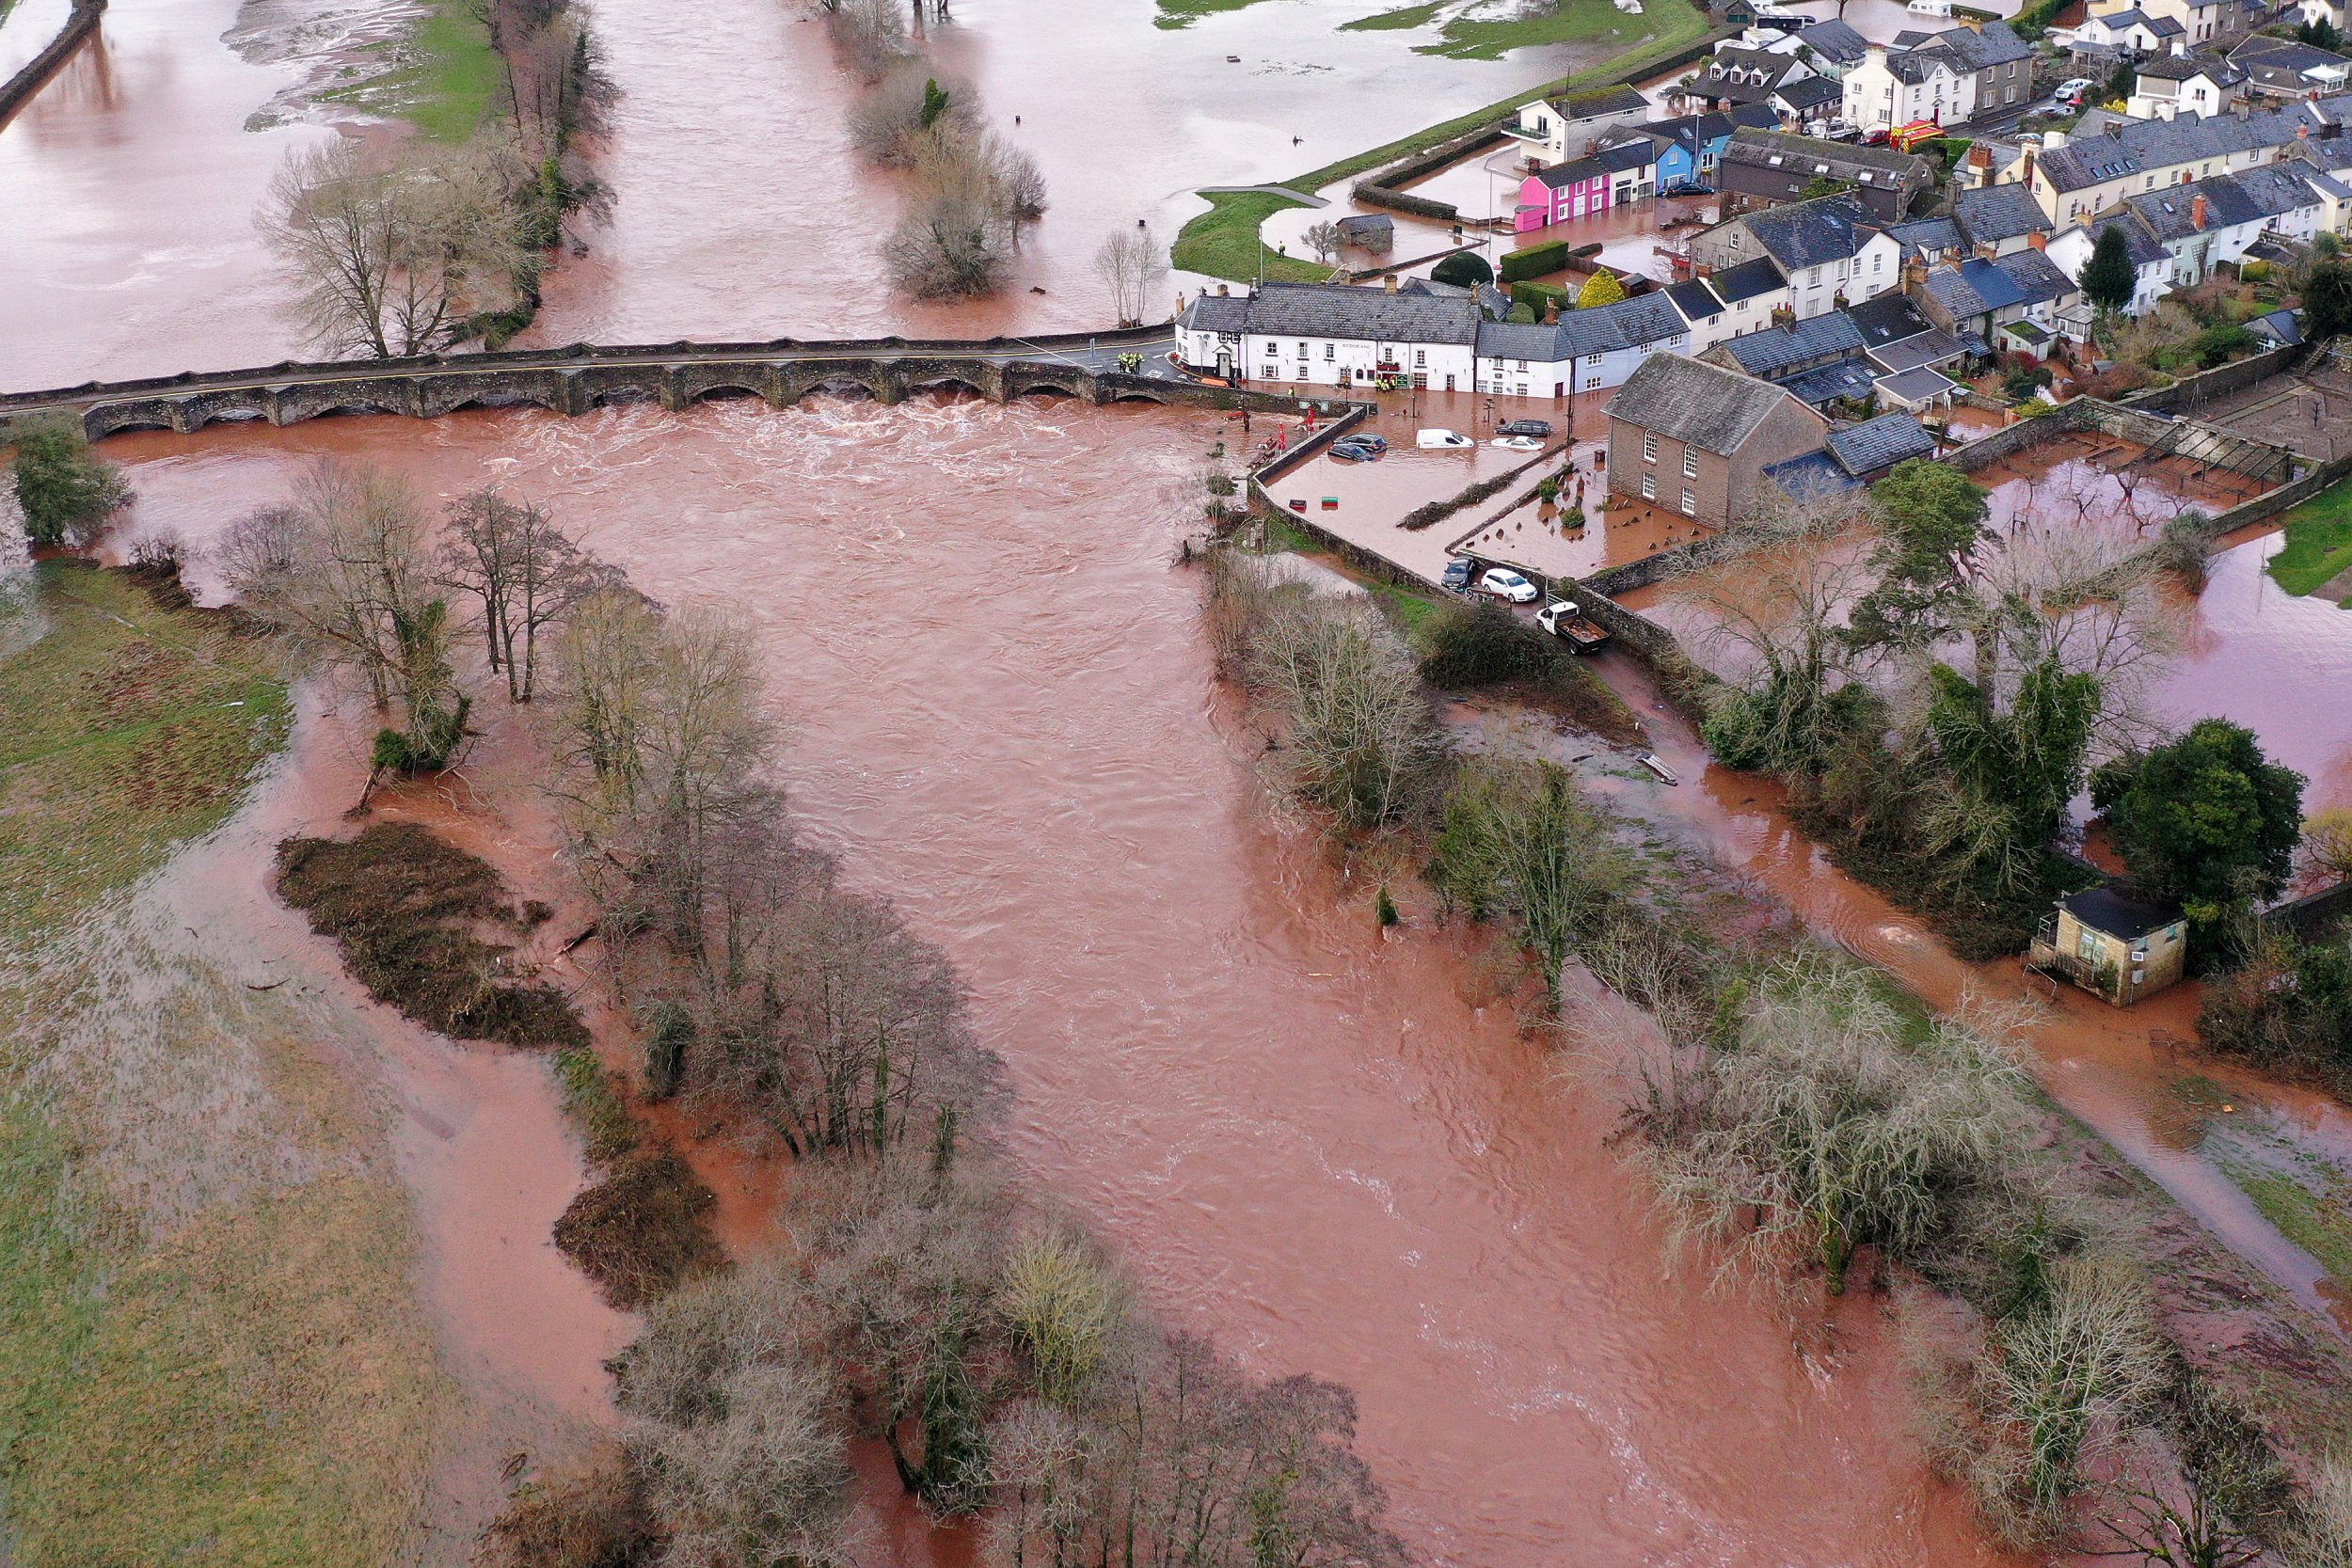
(1686, 152)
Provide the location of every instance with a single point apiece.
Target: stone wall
(2191, 393)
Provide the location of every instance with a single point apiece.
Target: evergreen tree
(2204, 818)
(2109, 280)
(1602, 288)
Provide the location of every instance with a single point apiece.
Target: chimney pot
(1552, 309)
(1390, 282)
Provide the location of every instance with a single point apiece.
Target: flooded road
(1330, 1148)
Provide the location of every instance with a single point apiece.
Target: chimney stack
(2025, 173)
(2197, 213)
(1552, 309)
(1389, 282)
(2038, 240)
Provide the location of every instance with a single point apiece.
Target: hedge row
(1534, 261)
(1405, 201)
(1537, 296)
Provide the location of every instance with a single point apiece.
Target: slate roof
(1598, 101)
(2037, 278)
(1746, 280)
(1634, 322)
(1695, 300)
(1848, 378)
(1773, 350)
(1809, 233)
(1344, 311)
(1834, 41)
(1810, 93)
(1923, 237)
(1916, 387)
(1215, 313)
(1706, 407)
(1978, 48)
(1976, 286)
(1626, 156)
(1811, 476)
(1998, 212)
(2280, 325)
(1731, 56)
(2139, 243)
(2129, 147)
(2180, 68)
(2119, 914)
(1865, 165)
(1918, 65)
(1879, 443)
(1539, 342)
(1367, 224)
(1887, 319)
(1574, 172)
(2248, 196)
(2283, 63)
(1934, 347)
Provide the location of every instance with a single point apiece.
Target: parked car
(1440, 436)
(1505, 583)
(1562, 618)
(1539, 428)
(1353, 452)
(2070, 92)
(1366, 439)
(1518, 443)
(1457, 573)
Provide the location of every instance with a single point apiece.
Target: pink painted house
(1586, 186)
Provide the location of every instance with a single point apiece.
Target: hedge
(1534, 261)
(1537, 296)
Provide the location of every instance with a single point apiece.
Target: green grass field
(1184, 13)
(202, 1361)
(1396, 21)
(445, 80)
(1665, 24)
(2319, 541)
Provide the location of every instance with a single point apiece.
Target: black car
(1541, 429)
(1457, 573)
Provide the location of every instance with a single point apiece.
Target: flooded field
(1328, 1147)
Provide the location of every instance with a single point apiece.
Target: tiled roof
(1574, 172)
(1810, 477)
(1809, 233)
(1810, 93)
(1848, 378)
(1626, 156)
(1879, 443)
(1774, 349)
(1598, 101)
(1706, 407)
(1342, 310)
(2282, 326)
(1918, 65)
(1539, 342)
(1746, 280)
(1998, 212)
(2139, 243)
(2180, 68)
(1634, 322)
(2262, 52)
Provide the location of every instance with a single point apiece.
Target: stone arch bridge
(582, 377)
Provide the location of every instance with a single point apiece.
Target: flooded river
(1316, 1143)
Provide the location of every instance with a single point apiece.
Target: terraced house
(1830, 250)
(1765, 168)
(1696, 439)
(2108, 158)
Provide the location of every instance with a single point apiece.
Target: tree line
(1799, 1120)
(389, 249)
(922, 1293)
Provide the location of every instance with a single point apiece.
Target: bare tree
(870, 33)
(903, 119)
(390, 257)
(1363, 739)
(2328, 843)
(524, 571)
(949, 245)
(1133, 267)
(1323, 238)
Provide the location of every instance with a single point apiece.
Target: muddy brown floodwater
(1311, 1140)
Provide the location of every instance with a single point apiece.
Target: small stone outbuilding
(2115, 946)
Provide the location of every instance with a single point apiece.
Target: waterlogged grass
(1184, 13)
(123, 731)
(1396, 21)
(197, 1365)
(1663, 24)
(442, 75)
(1223, 242)
(2305, 1196)
(2319, 543)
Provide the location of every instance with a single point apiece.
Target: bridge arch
(1069, 381)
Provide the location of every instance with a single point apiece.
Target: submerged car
(1518, 443)
(1442, 437)
(1540, 428)
(1505, 583)
(1349, 452)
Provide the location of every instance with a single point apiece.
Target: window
(1421, 356)
(1690, 463)
(2087, 944)
(1302, 349)
(1649, 487)
(1590, 361)
(1690, 502)
(1329, 351)
(1813, 276)
(1649, 446)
